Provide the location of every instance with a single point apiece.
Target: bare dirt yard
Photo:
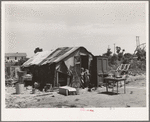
(135, 97)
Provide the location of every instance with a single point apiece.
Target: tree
(141, 54)
(113, 59)
(127, 58)
(128, 55)
(38, 50)
(118, 49)
(108, 52)
(120, 55)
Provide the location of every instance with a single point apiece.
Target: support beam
(57, 78)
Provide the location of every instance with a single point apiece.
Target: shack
(57, 67)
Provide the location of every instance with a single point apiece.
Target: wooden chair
(123, 69)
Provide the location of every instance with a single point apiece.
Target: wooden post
(113, 86)
(117, 87)
(114, 48)
(124, 86)
(57, 78)
(68, 81)
(107, 85)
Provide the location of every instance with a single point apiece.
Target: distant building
(14, 57)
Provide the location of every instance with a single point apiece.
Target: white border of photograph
(60, 114)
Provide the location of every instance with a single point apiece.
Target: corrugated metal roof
(56, 56)
(15, 54)
(59, 54)
(37, 58)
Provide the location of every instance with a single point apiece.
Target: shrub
(115, 60)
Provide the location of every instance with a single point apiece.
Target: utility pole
(137, 41)
(114, 48)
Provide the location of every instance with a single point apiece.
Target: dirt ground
(135, 97)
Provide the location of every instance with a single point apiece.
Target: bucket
(19, 88)
(33, 91)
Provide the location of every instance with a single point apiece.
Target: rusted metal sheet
(36, 59)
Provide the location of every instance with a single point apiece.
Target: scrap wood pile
(10, 81)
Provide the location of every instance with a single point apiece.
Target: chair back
(120, 67)
(123, 67)
(127, 67)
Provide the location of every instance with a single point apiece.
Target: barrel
(19, 88)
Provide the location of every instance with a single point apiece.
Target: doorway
(84, 62)
(62, 79)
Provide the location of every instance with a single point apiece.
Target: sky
(94, 25)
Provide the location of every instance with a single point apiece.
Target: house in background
(14, 57)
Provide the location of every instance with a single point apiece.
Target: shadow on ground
(108, 93)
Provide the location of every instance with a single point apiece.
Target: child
(82, 78)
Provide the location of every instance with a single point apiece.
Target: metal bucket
(19, 88)
(33, 91)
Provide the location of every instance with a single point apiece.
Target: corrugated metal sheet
(59, 54)
(37, 58)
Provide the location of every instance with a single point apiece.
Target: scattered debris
(66, 90)
(33, 91)
(16, 106)
(131, 92)
(72, 106)
(93, 99)
(127, 105)
(38, 100)
(66, 101)
(76, 99)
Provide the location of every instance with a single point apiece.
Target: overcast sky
(92, 25)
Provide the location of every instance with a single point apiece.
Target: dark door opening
(84, 62)
(62, 79)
